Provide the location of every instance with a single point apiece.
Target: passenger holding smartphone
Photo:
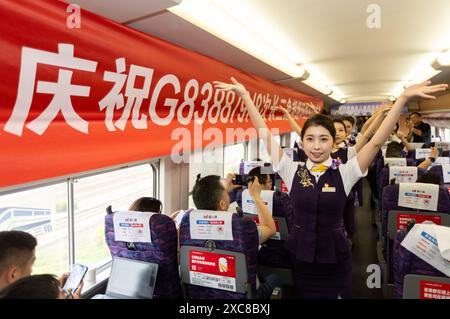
(17, 257)
(72, 283)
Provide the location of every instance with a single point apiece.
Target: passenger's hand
(77, 293)
(424, 89)
(175, 214)
(400, 135)
(235, 86)
(254, 188)
(385, 110)
(434, 152)
(63, 278)
(229, 186)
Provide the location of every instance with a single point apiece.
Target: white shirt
(350, 172)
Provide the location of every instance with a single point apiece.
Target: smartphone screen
(75, 277)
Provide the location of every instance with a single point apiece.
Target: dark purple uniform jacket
(318, 234)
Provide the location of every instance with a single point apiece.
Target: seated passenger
(147, 204)
(394, 149)
(210, 194)
(17, 256)
(264, 179)
(36, 287)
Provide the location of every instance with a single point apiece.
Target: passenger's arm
(368, 152)
(266, 223)
(426, 163)
(370, 131)
(273, 149)
(290, 119)
(372, 118)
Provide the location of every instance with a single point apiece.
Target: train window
(41, 212)
(91, 197)
(447, 134)
(294, 138)
(204, 162)
(232, 156)
(263, 155)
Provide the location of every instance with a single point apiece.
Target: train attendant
(320, 254)
(341, 150)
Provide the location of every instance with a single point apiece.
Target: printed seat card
(209, 224)
(248, 204)
(394, 161)
(446, 173)
(132, 226)
(403, 174)
(423, 153)
(418, 196)
(248, 166)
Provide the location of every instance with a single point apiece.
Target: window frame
(69, 180)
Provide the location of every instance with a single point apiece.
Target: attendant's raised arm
(273, 149)
(368, 152)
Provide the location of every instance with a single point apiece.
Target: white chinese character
(135, 96)
(61, 90)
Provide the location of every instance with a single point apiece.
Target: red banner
(78, 99)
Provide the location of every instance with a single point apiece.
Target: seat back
(439, 171)
(390, 204)
(406, 263)
(426, 287)
(398, 220)
(384, 176)
(162, 250)
(383, 162)
(198, 283)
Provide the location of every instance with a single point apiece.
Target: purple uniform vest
(341, 154)
(318, 234)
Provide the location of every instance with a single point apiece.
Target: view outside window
(91, 197)
(233, 155)
(263, 155)
(206, 162)
(41, 212)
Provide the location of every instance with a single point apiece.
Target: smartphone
(242, 180)
(76, 276)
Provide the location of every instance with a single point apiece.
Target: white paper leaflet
(422, 242)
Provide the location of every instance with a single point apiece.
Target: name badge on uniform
(328, 189)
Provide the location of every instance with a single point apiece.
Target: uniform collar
(310, 164)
